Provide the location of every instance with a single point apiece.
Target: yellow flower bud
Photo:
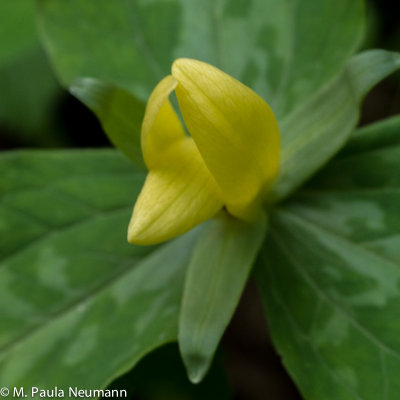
(230, 160)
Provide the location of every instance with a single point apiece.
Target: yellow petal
(174, 199)
(161, 127)
(234, 129)
(179, 192)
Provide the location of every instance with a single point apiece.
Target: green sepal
(315, 131)
(118, 111)
(216, 276)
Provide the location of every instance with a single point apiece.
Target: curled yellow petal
(174, 199)
(161, 127)
(234, 129)
(179, 192)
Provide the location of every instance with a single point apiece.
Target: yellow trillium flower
(230, 159)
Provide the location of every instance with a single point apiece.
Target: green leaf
(17, 29)
(27, 85)
(27, 103)
(284, 50)
(217, 274)
(73, 292)
(384, 133)
(119, 112)
(330, 273)
(321, 126)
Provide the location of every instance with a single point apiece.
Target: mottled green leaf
(73, 292)
(270, 45)
(330, 273)
(217, 274)
(119, 112)
(322, 125)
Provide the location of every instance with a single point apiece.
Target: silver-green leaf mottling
(330, 273)
(269, 45)
(73, 292)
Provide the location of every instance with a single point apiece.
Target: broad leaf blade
(217, 274)
(330, 273)
(73, 291)
(321, 126)
(269, 45)
(365, 193)
(335, 306)
(125, 319)
(280, 57)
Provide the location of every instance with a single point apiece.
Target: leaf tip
(196, 367)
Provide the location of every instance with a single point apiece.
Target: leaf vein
(314, 285)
